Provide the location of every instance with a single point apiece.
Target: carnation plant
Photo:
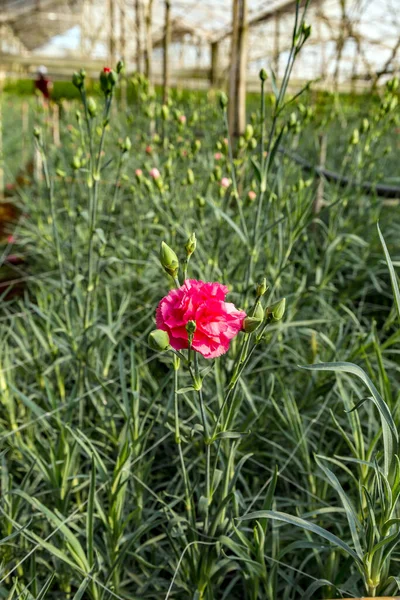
(373, 522)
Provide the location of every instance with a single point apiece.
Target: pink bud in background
(182, 119)
(218, 156)
(225, 182)
(138, 172)
(9, 186)
(226, 141)
(11, 239)
(252, 195)
(149, 149)
(154, 173)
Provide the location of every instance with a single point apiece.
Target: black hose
(369, 188)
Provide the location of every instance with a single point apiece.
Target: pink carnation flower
(138, 172)
(217, 321)
(218, 156)
(252, 195)
(225, 182)
(154, 173)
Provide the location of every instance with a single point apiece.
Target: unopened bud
(355, 137)
(158, 340)
(191, 327)
(127, 145)
(277, 310)
(261, 288)
(223, 100)
(191, 245)
(190, 176)
(249, 132)
(263, 75)
(92, 107)
(120, 66)
(251, 323)
(165, 112)
(169, 260)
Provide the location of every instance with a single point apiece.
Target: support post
(167, 41)
(214, 74)
(319, 198)
(138, 18)
(237, 83)
(149, 41)
(111, 7)
(276, 46)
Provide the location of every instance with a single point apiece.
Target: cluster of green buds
(247, 140)
(259, 315)
(78, 79)
(125, 145)
(78, 160)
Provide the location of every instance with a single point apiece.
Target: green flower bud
(364, 125)
(78, 79)
(196, 145)
(200, 201)
(306, 31)
(37, 133)
(251, 323)
(263, 75)
(261, 288)
(120, 66)
(76, 163)
(158, 340)
(277, 310)
(165, 112)
(169, 260)
(223, 100)
(190, 246)
(127, 145)
(190, 176)
(191, 327)
(92, 107)
(249, 132)
(355, 137)
(253, 143)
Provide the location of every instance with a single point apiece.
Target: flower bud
(165, 112)
(223, 100)
(190, 177)
(92, 107)
(261, 288)
(263, 75)
(306, 31)
(364, 125)
(37, 132)
(355, 137)
(78, 79)
(158, 340)
(120, 66)
(76, 163)
(191, 327)
(249, 132)
(191, 245)
(277, 310)
(251, 323)
(169, 260)
(127, 145)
